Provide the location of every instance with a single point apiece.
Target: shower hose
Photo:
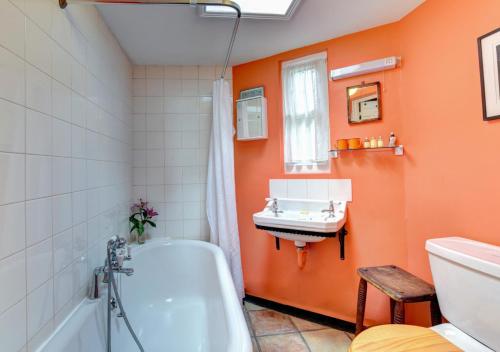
(112, 283)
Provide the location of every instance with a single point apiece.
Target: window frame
(317, 167)
(258, 16)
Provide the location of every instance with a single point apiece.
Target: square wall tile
(39, 264)
(189, 72)
(12, 77)
(38, 133)
(12, 28)
(206, 72)
(38, 90)
(61, 138)
(13, 327)
(340, 190)
(13, 274)
(154, 87)
(12, 171)
(189, 88)
(317, 189)
(173, 87)
(173, 72)
(80, 241)
(40, 307)
(297, 189)
(12, 126)
(63, 250)
(38, 176)
(139, 87)
(38, 48)
(12, 228)
(78, 174)
(61, 101)
(61, 175)
(38, 220)
(61, 65)
(61, 214)
(154, 71)
(278, 188)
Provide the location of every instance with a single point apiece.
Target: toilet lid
(459, 338)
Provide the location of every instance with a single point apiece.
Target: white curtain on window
(305, 108)
(221, 195)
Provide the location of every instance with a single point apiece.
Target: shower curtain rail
(227, 3)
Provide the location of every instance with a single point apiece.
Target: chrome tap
(330, 210)
(119, 252)
(274, 207)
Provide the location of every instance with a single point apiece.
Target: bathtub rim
(238, 334)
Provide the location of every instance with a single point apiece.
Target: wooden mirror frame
(363, 85)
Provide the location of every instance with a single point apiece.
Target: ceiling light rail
(227, 3)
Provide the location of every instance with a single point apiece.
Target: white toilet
(467, 278)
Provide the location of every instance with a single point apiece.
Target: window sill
(313, 168)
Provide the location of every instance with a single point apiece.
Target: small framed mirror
(363, 103)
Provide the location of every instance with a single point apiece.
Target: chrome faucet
(119, 252)
(330, 210)
(274, 207)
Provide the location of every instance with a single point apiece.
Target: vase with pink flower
(142, 216)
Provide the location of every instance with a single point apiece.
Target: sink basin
(301, 221)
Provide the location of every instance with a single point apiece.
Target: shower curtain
(221, 197)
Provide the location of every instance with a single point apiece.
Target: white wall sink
(302, 221)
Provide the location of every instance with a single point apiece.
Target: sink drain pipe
(301, 254)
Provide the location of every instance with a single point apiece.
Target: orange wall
(452, 164)
(397, 202)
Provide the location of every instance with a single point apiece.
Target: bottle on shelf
(373, 142)
(366, 143)
(392, 140)
(380, 142)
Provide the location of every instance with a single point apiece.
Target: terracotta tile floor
(272, 331)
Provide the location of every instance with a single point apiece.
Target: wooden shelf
(397, 150)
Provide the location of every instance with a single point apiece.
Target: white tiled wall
(65, 163)
(327, 189)
(172, 119)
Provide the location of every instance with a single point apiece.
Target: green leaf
(151, 223)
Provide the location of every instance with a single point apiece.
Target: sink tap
(330, 210)
(274, 207)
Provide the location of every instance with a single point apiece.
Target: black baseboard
(302, 313)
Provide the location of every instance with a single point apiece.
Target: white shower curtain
(221, 197)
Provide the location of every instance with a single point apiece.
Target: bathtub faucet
(119, 252)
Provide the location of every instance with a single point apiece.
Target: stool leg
(435, 312)
(360, 315)
(392, 303)
(399, 314)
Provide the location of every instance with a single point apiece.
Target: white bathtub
(181, 298)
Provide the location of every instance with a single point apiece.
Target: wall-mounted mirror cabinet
(251, 119)
(363, 103)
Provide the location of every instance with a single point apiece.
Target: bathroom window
(306, 116)
(255, 9)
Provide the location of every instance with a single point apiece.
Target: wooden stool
(401, 338)
(401, 287)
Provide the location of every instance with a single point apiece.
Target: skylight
(263, 9)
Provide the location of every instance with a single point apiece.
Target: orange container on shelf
(354, 143)
(342, 144)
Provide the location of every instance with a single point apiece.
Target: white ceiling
(177, 35)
